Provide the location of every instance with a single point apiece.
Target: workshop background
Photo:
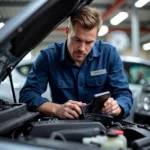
(126, 24)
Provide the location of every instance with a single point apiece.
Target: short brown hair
(87, 17)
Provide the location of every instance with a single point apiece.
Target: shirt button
(80, 83)
(99, 82)
(61, 85)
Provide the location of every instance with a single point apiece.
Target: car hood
(23, 32)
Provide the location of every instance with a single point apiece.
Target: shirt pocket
(96, 81)
(62, 84)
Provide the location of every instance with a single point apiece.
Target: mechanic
(75, 70)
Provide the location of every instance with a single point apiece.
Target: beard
(79, 52)
(79, 56)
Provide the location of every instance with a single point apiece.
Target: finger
(115, 110)
(83, 104)
(115, 105)
(76, 108)
(112, 107)
(107, 107)
(108, 103)
(75, 102)
(73, 113)
(111, 103)
(110, 110)
(67, 115)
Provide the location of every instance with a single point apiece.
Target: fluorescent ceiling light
(141, 3)
(119, 18)
(1, 24)
(103, 30)
(146, 46)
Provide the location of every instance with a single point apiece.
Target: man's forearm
(71, 109)
(48, 108)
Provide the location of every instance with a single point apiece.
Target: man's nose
(82, 46)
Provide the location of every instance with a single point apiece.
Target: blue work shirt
(101, 71)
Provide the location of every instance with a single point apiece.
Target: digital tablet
(99, 100)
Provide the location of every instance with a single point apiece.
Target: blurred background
(126, 24)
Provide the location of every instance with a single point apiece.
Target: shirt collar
(95, 52)
(65, 55)
(63, 51)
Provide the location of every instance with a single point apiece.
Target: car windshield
(137, 73)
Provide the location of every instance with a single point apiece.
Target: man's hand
(71, 109)
(111, 107)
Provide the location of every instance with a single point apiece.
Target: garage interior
(25, 129)
(129, 36)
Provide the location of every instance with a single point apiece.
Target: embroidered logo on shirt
(98, 72)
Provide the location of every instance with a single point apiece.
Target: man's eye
(88, 43)
(77, 40)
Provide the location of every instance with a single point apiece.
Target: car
(24, 129)
(138, 74)
(142, 109)
(19, 75)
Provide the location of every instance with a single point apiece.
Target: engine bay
(21, 127)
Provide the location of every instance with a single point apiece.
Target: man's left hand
(111, 107)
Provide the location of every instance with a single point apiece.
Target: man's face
(80, 42)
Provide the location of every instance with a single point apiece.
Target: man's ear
(67, 31)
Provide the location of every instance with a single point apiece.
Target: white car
(19, 75)
(138, 73)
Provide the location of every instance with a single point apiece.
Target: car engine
(22, 128)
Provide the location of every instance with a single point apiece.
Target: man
(76, 70)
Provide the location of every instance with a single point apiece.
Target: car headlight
(143, 106)
(146, 103)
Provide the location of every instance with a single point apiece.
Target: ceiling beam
(116, 5)
(143, 23)
(129, 6)
(145, 30)
(144, 26)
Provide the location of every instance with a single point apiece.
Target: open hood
(23, 32)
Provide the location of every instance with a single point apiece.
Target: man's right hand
(71, 109)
